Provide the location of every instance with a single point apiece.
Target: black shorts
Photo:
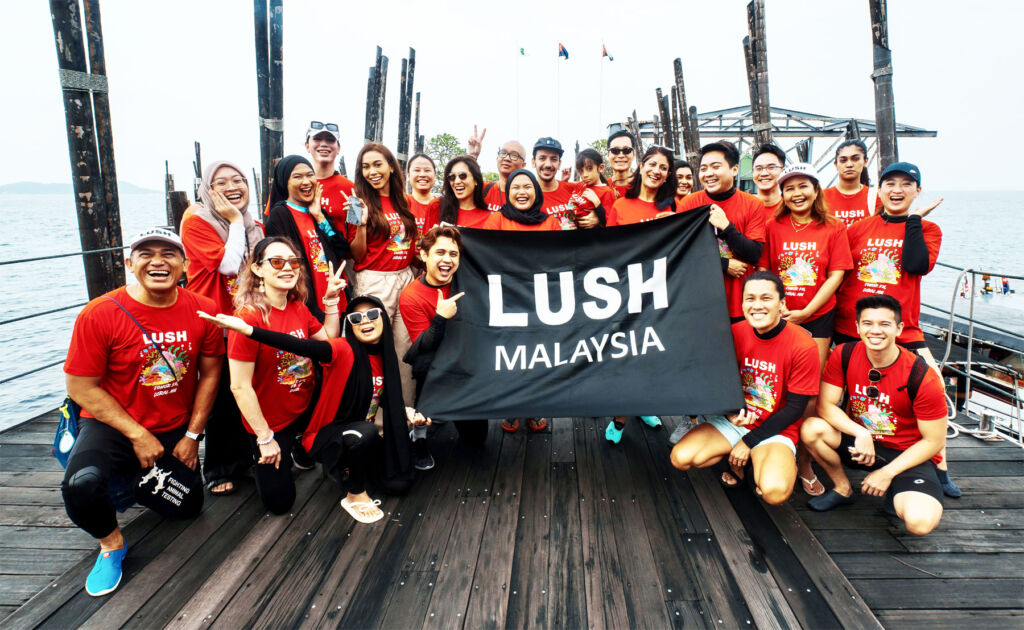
(821, 327)
(839, 338)
(921, 478)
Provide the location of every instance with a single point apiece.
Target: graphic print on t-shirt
(875, 414)
(231, 283)
(797, 264)
(316, 252)
(880, 262)
(723, 249)
(758, 389)
(155, 371)
(378, 385)
(293, 371)
(398, 241)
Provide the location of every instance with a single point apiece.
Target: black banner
(629, 320)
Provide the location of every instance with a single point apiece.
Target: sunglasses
(512, 155)
(621, 151)
(357, 318)
(874, 376)
(316, 124)
(463, 176)
(279, 263)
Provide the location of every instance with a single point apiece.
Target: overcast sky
(185, 70)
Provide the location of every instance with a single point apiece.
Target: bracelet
(333, 302)
(266, 441)
(330, 312)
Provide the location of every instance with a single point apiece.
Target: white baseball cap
(800, 168)
(161, 235)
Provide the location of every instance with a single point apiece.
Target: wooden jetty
(549, 530)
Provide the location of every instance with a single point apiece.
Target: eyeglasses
(874, 376)
(224, 183)
(621, 150)
(512, 155)
(316, 124)
(278, 263)
(357, 318)
(770, 168)
(463, 176)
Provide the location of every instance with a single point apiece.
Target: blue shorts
(734, 433)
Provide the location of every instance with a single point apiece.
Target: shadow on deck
(556, 529)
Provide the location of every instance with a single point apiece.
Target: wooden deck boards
(548, 530)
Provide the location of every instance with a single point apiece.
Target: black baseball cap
(550, 144)
(905, 168)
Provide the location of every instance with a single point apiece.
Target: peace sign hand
(446, 307)
(336, 282)
(476, 142)
(351, 200)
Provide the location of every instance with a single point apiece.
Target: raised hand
(923, 212)
(590, 196)
(314, 208)
(476, 142)
(446, 307)
(224, 208)
(349, 200)
(229, 322)
(566, 173)
(336, 282)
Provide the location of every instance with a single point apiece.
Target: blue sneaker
(106, 573)
(652, 421)
(613, 433)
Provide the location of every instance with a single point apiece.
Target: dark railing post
(104, 271)
(885, 107)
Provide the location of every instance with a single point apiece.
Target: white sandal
(363, 511)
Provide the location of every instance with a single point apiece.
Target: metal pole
(970, 341)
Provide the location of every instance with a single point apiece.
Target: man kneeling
(894, 424)
(779, 371)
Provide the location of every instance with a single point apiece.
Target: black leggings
(227, 456)
(101, 452)
(359, 440)
(275, 485)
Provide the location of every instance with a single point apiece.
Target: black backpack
(917, 372)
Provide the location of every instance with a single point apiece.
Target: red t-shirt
(418, 305)
(313, 250)
(769, 211)
(427, 214)
(332, 201)
(205, 250)
(626, 211)
(498, 221)
(474, 218)
(556, 202)
(877, 249)
(620, 191)
(607, 196)
(377, 371)
(851, 208)
(283, 381)
(804, 258)
(746, 212)
(336, 373)
(391, 253)
(769, 368)
(495, 196)
(891, 417)
(107, 343)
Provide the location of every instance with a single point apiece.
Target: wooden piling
(104, 271)
(885, 106)
(371, 105)
(634, 128)
(269, 28)
(382, 84)
(416, 128)
(405, 107)
(687, 120)
(756, 52)
(276, 123)
(666, 120)
(805, 149)
(676, 143)
(197, 168)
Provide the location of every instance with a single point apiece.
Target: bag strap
(488, 188)
(917, 374)
(845, 354)
(146, 335)
(872, 200)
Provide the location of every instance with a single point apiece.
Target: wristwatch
(198, 437)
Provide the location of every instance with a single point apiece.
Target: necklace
(797, 227)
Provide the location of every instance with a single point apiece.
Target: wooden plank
(981, 519)
(447, 606)
(567, 593)
(993, 541)
(987, 468)
(946, 594)
(49, 479)
(838, 541)
(846, 604)
(30, 464)
(119, 607)
(31, 496)
(49, 516)
(644, 591)
(27, 437)
(6, 611)
(930, 565)
(528, 600)
(606, 600)
(408, 605)
(488, 601)
(995, 452)
(686, 615)
(721, 598)
(39, 561)
(686, 507)
(563, 447)
(1007, 619)
(483, 462)
(27, 450)
(16, 589)
(971, 500)
(989, 484)
(767, 605)
(23, 537)
(46, 601)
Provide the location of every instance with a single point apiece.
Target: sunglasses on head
(357, 317)
(621, 150)
(278, 263)
(874, 376)
(463, 176)
(512, 155)
(316, 124)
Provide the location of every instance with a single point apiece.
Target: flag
(562, 52)
(522, 52)
(604, 53)
(624, 321)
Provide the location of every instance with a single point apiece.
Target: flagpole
(600, 93)
(517, 91)
(558, 95)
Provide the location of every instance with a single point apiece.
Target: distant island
(35, 188)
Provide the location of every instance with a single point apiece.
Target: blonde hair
(249, 296)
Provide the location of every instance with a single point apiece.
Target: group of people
(331, 311)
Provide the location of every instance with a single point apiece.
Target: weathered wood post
(676, 142)
(405, 108)
(416, 128)
(666, 120)
(275, 125)
(269, 27)
(687, 120)
(371, 105)
(382, 84)
(756, 53)
(805, 149)
(197, 167)
(885, 106)
(99, 224)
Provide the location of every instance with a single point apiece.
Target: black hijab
(397, 472)
(282, 172)
(532, 216)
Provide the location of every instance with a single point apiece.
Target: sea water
(980, 230)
